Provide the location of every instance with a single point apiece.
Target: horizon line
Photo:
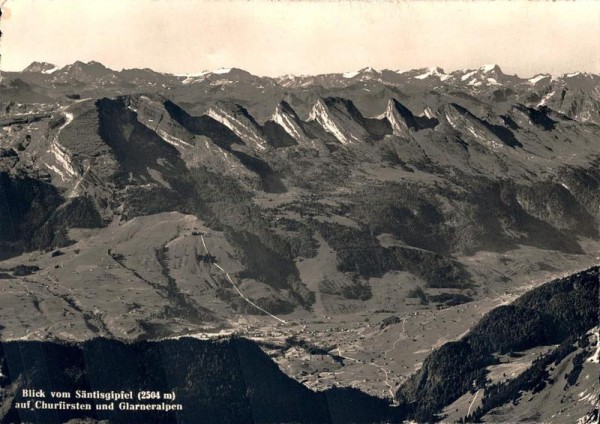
(229, 68)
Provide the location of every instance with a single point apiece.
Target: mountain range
(359, 227)
(574, 94)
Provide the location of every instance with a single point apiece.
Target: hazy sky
(275, 38)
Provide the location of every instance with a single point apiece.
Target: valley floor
(371, 345)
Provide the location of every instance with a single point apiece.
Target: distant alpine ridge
(486, 75)
(576, 95)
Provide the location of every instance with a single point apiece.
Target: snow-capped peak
(368, 70)
(192, 75)
(434, 72)
(49, 71)
(222, 71)
(364, 71)
(538, 78)
(468, 75)
(43, 67)
(489, 67)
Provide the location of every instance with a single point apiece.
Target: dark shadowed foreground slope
(224, 381)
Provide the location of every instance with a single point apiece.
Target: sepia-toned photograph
(295, 211)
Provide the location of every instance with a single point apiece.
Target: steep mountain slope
(558, 315)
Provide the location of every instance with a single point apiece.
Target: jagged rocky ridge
(146, 139)
(481, 182)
